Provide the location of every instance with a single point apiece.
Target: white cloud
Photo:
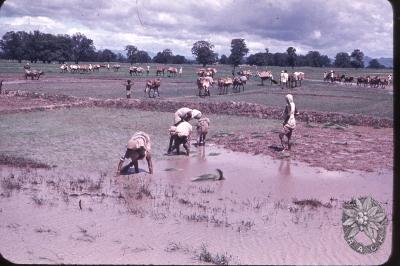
(327, 26)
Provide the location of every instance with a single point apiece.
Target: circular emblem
(364, 224)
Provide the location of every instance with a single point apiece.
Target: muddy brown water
(165, 218)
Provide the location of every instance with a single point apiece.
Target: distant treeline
(37, 46)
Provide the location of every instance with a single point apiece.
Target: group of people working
(139, 146)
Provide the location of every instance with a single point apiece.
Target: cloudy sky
(153, 25)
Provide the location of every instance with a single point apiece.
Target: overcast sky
(153, 25)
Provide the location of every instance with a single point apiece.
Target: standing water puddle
(249, 217)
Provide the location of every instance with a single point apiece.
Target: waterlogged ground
(77, 211)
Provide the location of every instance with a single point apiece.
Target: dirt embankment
(331, 147)
(227, 108)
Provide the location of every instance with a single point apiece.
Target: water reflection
(284, 167)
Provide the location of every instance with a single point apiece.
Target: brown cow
(152, 86)
(172, 71)
(224, 84)
(33, 74)
(160, 70)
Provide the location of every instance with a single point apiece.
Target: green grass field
(314, 94)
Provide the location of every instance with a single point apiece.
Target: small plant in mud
(206, 190)
(195, 217)
(245, 225)
(313, 203)
(279, 205)
(38, 201)
(185, 202)
(22, 162)
(11, 183)
(207, 256)
(143, 190)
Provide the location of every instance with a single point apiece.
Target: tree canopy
(204, 53)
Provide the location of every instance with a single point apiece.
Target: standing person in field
(1, 85)
(202, 130)
(148, 70)
(128, 89)
(289, 124)
(284, 78)
(138, 148)
(180, 71)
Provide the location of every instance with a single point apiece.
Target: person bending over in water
(181, 135)
(289, 124)
(138, 148)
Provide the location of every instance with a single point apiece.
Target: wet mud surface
(264, 211)
(272, 207)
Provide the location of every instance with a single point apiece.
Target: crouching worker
(138, 148)
(289, 124)
(182, 114)
(181, 135)
(202, 130)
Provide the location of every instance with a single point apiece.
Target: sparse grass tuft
(11, 184)
(38, 201)
(313, 203)
(218, 259)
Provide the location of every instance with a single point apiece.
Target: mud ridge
(226, 108)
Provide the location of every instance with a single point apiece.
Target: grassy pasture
(314, 94)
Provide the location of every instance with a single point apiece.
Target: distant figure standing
(289, 124)
(128, 89)
(180, 71)
(108, 66)
(138, 148)
(284, 78)
(148, 70)
(1, 85)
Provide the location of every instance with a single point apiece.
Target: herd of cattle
(206, 77)
(372, 81)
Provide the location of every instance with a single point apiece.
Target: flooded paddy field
(270, 208)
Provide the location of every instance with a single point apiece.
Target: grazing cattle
(265, 75)
(96, 67)
(74, 68)
(299, 76)
(246, 73)
(116, 67)
(360, 81)
(206, 72)
(224, 84)
(136, 70)
(160, 70)
(152, 88)
(64, 68)
(211, 71)
(203, 84)
(239, 82)
(172, 71)
(33, 74)
(348, 80)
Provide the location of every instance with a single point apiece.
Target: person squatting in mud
(181, 115)
(289, 124)
(138, 148)
(128, 89)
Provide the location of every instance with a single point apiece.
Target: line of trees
(37, 46)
